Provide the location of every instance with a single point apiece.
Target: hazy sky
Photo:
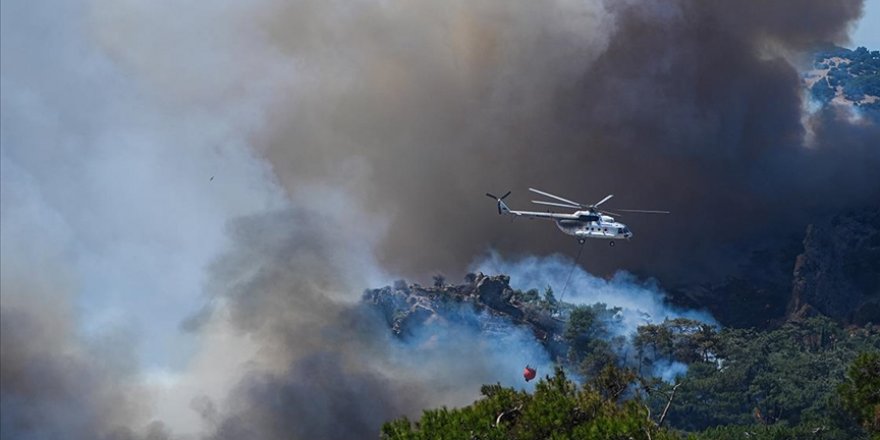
(867, 32)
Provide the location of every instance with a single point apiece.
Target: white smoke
(461, 351)
(125, 150)
(669, 370)
(641, 301)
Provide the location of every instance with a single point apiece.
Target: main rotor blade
(611, 213)
(556, 197)
(492, 196)
(505, 196)
(644, 211)
(539, 202)
(603, 200)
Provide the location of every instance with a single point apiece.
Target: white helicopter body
(586, 222)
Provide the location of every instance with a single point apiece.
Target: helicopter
(587, 221)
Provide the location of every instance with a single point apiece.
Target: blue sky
(867, 32)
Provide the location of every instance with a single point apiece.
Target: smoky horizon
(195, 196)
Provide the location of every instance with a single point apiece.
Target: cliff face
(834, 270)
(755, 296)
(838, 272)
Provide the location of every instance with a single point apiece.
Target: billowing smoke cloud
(686, 106)
(319, 146)
(110, 215)
(55, 383)
(54, 386)
(333, 368)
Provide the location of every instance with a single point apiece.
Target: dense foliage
(810, 379)
(860, 392)
(786, 377)
(558, 409)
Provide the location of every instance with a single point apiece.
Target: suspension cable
(570, 272)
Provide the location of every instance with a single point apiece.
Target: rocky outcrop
(838, 272)
(495, 293)
(407, 307)
(834, 271)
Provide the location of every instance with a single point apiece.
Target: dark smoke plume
(386, 122)
(334, 369)
(55, 386)
(689, 106)
(415, 110)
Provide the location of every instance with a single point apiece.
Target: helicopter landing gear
(611, 243)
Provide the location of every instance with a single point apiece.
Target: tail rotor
(502, 208)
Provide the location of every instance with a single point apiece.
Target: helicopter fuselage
(591, 225)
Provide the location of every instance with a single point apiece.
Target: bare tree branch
(668, 404)
(507, 414)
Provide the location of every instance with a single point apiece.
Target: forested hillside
(803, 381)
(847, 76)
(809, 376)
